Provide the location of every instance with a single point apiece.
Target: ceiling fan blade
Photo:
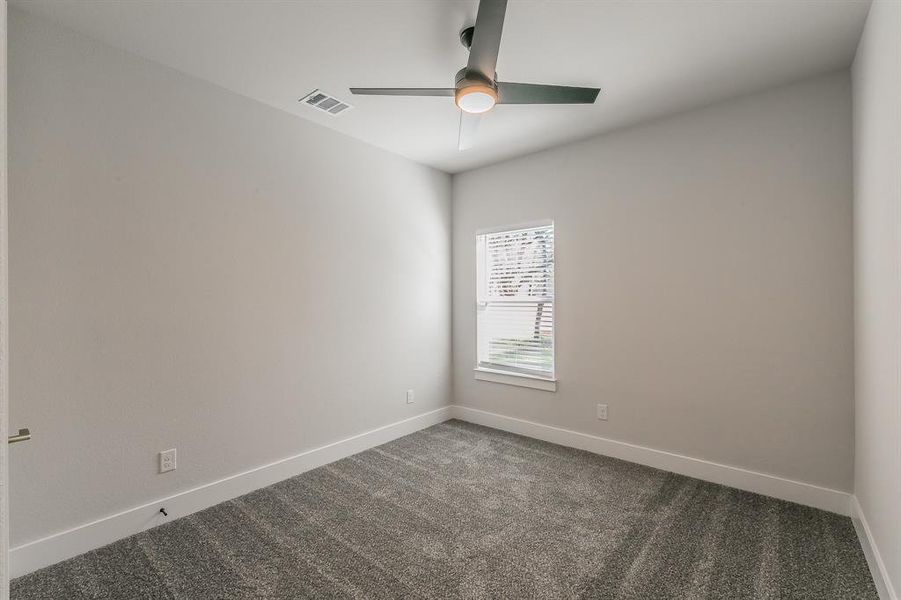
(486, 38)
(534, 93)
(469, 126)
(402, 91)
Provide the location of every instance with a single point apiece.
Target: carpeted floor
(462, 511)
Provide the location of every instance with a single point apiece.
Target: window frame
(499, 374)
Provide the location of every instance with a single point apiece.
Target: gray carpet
(462, 511)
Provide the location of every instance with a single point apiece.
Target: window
(515, 303)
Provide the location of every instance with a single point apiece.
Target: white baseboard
(768, 485)
(72, 542)
(66, 544)
(871, 551)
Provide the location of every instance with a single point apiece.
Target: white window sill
(520, 379)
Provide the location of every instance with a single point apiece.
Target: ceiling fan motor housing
(474, 92)
(467, 77)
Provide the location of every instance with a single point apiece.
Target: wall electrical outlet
(409, 396)
(167, 460)
(602, 412)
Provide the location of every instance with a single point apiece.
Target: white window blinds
(515, 300)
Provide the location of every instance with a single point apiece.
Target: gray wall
(192, 269)
(877, 249)
(4, 319)
(704, 282)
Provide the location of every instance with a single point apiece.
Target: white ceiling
(650, 58)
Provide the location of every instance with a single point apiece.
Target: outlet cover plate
(167, 460)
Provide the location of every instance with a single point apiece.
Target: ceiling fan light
(476, 98)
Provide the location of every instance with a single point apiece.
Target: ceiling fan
(477, 89)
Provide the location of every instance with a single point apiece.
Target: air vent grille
(327, 104)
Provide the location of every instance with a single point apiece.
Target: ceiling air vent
(328, 104)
